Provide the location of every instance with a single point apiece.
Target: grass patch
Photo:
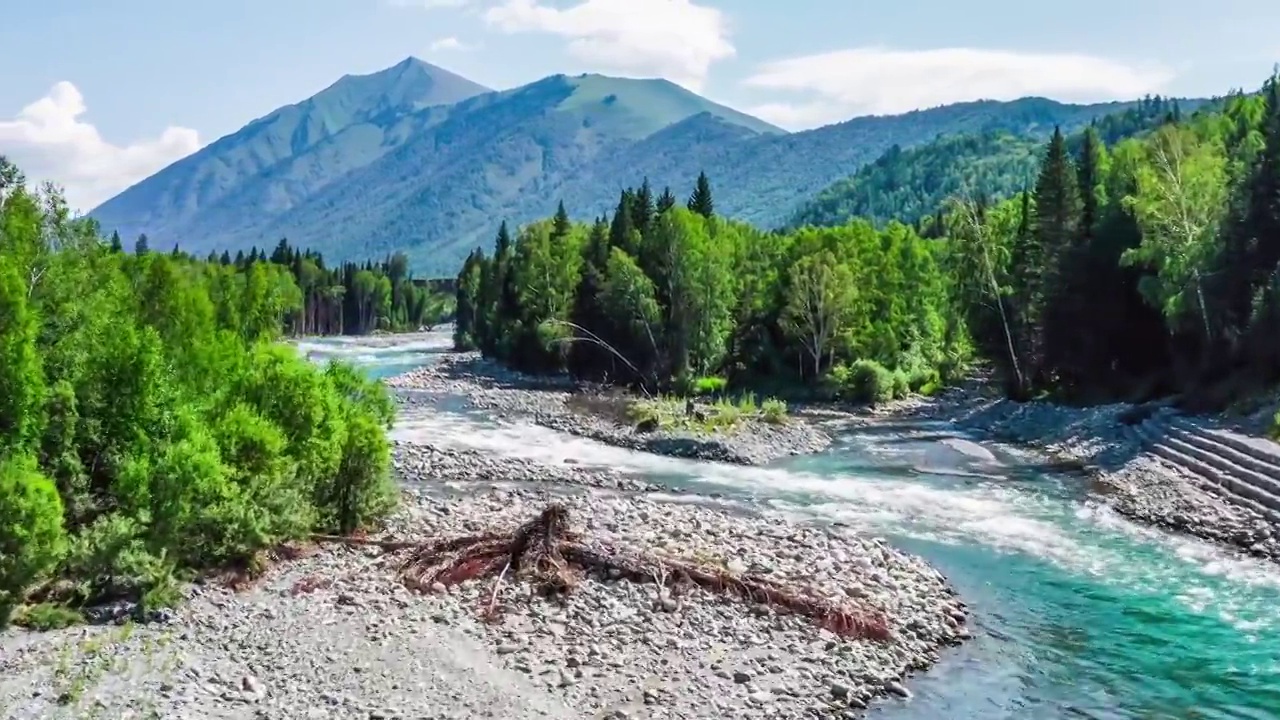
(671, 412)
(47, 616)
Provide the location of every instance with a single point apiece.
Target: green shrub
(869, 382)
(710, 385)
(47, 616)
(361, 490)
(32, 538)
(774, 411)
(901, 385)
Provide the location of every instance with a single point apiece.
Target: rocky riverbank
(1100, 440)
(600, 415)
(338, 633)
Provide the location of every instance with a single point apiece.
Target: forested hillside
(1142, 266)
(1149, 265)
(150, 426)
(908, 185)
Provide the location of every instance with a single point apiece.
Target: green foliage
(1150, 263)
(46, 616)
(710, 385)
(674, 412)
(150, 427)
(864, 381)
(774, 411)
(661, 299)
(32, 539)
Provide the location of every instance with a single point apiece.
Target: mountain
(909, 184)
(279, 160)
(415, 159)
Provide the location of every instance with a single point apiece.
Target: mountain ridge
(375, 163)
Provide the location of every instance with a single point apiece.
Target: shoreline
(559, 403)
(1136, 483)
(338, 633)
(1095, 441)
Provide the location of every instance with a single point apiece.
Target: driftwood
(547, 554)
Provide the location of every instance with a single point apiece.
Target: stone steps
(1242, 470)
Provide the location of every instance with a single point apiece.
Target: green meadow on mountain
(419, 160)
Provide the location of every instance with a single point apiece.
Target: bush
(32, 538)
(47, 616)
(868, 381)
(710, 386)
(361, 490)
(774, 411)
(901, 385)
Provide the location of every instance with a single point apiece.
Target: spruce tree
(141, 247)
(561, 223)
(666, 200)
(700, 202)
(622, 230)
(1058, 238)
(642, 208)
(116, 245)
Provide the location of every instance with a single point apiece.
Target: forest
(351, 299)
(1140, 261)
(665, 295)
(150, 424)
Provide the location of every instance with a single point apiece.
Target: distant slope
(372, 165)
(278, 160)
(908, 184)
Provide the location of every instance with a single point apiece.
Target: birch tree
(820, 301)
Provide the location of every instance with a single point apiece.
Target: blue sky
(98, 94)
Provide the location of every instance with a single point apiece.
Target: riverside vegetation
(150, 428)
(1131, 270)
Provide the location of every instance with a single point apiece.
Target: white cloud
(48, 141)
(451, 43)
(675, 39)
(845, 83)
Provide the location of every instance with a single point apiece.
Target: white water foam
(1084, 539)
(1081, 538)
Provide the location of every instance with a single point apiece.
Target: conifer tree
(141, 247)
(642, 208)
(700, 202)
(561, 223)
(666, 200)
(116, 245)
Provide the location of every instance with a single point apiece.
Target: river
(1077, 612)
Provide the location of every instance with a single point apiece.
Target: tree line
(1142, 261)
(661, 294)
(349, 299)
(1140, 268)
(151, 425)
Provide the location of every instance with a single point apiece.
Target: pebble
(547, 402)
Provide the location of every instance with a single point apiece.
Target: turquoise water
(1076, 613)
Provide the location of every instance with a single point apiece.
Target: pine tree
(622, 230)
(116, 245)
(700, 202)
(226, 258)
(561, 225)
(1058, 237)
(587, 359)
(1088, 177)
(642, 208)
(141, 247)
(666, 200)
